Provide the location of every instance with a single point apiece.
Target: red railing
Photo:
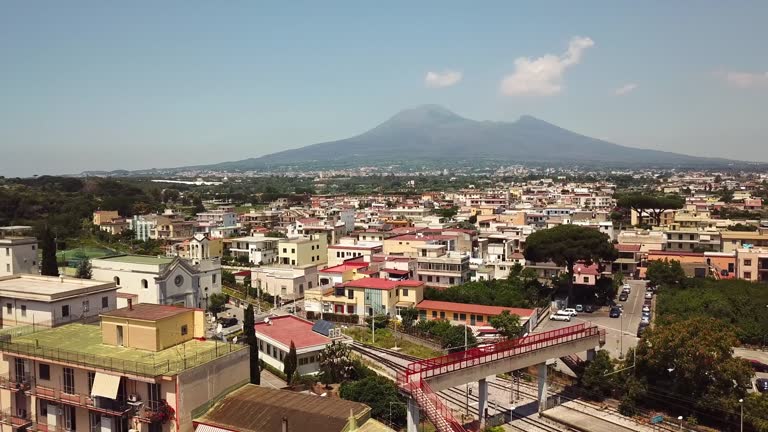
(438, 412)
(476, 356)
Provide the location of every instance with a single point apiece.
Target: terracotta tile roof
(472, 308)
(582, 269)
(285, 329)
(628, 247)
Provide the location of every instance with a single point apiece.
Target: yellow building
(104, 216)
(145, 368)
(409, 244)
(302, 251)
(371, 296)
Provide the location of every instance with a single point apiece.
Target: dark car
(641, 329)
(589, 308)
(227, 321)
(615, 312)
(758, 366)
(623, 296)
(762, 385)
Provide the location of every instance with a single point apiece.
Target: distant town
(366, 299)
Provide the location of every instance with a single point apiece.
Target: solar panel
(323, 327)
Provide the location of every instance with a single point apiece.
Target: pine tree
(290, 364)
(48, 267)
(84, 269)
(249, 331)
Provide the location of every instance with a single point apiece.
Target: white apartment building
(260, 250)
(288, 282)
(160, 280)
(50, 301)
(18, 253)
(218, 218)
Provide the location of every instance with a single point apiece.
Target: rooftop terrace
(81, 344)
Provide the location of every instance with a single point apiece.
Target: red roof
(582, 269)
(628, 247)
(285, 329)
(243, 273)
(308, 221)
(341, 268)
(472, 308)
(381, 284)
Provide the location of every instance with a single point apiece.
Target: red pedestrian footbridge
(422, 379)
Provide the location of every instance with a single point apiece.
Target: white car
(570, 311)
(560, 316)
(646, 309)
(626, 287)
(649, 295)
(645, 320)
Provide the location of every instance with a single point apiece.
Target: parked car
(227, 321)
(570, 311)
(641, 330)
(648, 288)
(762, 385)
(646, 314)
(758, 366)
(560, 316)
(589, 308)
(647, 302)
(649, 295)
(615, 312)
(646, 308)
(626, 287)
(623, 296)
(579, 308)
(645, 320)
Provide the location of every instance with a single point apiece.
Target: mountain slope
(432, 132)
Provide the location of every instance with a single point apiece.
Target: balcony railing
(15, 382)
(108, 406)
(15, 419)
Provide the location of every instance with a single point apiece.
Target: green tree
(694, 360)
(216, 302)
(335, 365)
(84, 269)
(228, 278)
(507, 324)
(665, 272)
(290, 364)
(455, 337)
(409, 315)
(49, 266)
(249, 332)
(566, 245)
(651, 205)
(197, 204)
(594, 379)
(726, 195)
(381, 394)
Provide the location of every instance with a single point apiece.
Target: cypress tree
(290, 364)
(48, 267)
(250, 338)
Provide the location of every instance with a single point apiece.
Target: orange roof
(472, 308)
(381, 284)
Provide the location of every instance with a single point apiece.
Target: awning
(105, 385)
(206, 428)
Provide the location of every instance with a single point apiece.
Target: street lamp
(741, 405)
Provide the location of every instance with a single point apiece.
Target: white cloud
(747, 79)
(626, 88)
(544, 75)
(442, 79)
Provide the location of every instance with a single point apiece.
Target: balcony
(16, 421)
(15, 383)
(102, 405)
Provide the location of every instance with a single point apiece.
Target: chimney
(130, 304)
(285, 424)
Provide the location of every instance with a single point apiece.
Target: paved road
(621, 333)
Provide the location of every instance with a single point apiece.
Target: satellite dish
(219, 328)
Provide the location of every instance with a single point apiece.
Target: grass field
(385, 339)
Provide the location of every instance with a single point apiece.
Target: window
(747, 262)
(65, 311)
(153, 392)
(313, 259)
(586, 279)
(429, 278)
(451, 280)
(747, 275)
(293, 250)
(86, 305)
(69, 418)
(301, 288)
(309, 285)
(184, 330)
(91, 379)
(7, 251)
(350, 294)
(44, 371)
(434, 314)
(479, 318)
(144, 284)
(69, 380)
(104, 302)
(117, 280)
(9, 308)
(463, 317)
(23, 310)
(214, 278)
(405, 292)
(285, 250)
(442, 315)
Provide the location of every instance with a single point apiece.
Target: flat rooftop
(147, 312)
(82, 343)
(49, 288)
(139, 259)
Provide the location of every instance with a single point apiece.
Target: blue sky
(108, 85)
